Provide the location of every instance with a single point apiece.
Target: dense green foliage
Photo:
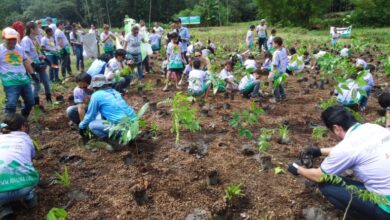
(303, 13)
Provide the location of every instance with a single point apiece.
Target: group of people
(98, 99)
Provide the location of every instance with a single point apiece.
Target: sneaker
(273, 100)
(5, 211)
(165, 88)
(180, 82)
(114, 145)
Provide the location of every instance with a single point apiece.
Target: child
(335, 36)
(175, 61)
(81, 96)
(250, 63)
(250, 41)
(279, 66)
(267, 65)
(18, 177)
(270, 40)
(367, 88)
(361, 64)
(346, 96)
(294, 66)
(98, 66)
(197, 80)
(306, 58)
(113, 71)
(227, 76)
(249, 85)
(262, 32)
(107, 38)
(345, 52)
(155, 40)
(52, 53)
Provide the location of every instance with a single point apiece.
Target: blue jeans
(41, 78)
(123, 83)
(24, 194)
(339, 197)
(65, 64)
(53, 72)
(279, 92)
(12, 94)
(137, 58)
(78, 50)
(262, 43)
(99, 128)
(364, 99)
(73, 114)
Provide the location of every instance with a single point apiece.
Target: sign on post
(190, 20)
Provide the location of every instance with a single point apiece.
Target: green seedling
(57, 214)
(233, 191)
(37, 144)
(279, 170)
(319, 133)
(155, 130)
(324, 104)
(128, 129)
(63, 179)
(284, 133)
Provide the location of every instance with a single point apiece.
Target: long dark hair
(13, 122)
(74, 30)
(29, 26)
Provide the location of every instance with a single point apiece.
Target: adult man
(64, 45)
(110, 104)
(15, 80)
(133, 48)
(364, 148)
(262, 32)
(184, 38)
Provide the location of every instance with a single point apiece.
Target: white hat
(262, 20)
(99, 81)
(9, 33)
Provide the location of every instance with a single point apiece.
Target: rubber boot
(48, 98)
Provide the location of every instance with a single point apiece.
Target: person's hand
(313, 151)
(35, 77)
(293, 168)
(42, 57)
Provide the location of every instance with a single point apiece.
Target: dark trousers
(262, 42)
(339, 196)
(145, 63)
(279, 92)
(65, 64)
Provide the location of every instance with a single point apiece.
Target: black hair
(315, 51)
(306, 53)
(13, 122)
(104, 57)
(84, 77)
(30, 25)
(153, 31)
(268, 54)
(251, 57)
(278, 41)
(259, 71)
(74, 30)
(120, 53)
(174, 35)
(196, 63)
(273, 31)
(384, 100)
(252, 27)
(292, 51)
(338, 115)
(48, 30)
(229, 63)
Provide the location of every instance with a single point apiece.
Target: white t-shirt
(294, 65)
(361, 63)
(159, 30)
(196, 80)
(245, 80)
(269, 41)
(111, 68)
(108, 43)
(224, 74)
(366, 150)
(344, 52)
(60, 36)
(250, 64)
(16, 167)
(249, 37)
(320, 54)
(155, 39)
(346, 95)
(262, 31)
(53, 27)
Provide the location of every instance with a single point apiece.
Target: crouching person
(249, 85)
(113, 71)
(110, 105)
(364, 148)
(81, 96)
(197, 80)
(18, 177)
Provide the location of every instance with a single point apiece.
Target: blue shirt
(110, 104)
(185, 38)
(280, 60)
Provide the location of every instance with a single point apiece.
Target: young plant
(148, 86)
(319, 133)
(37, 144)
(63, 179)
(233, 191)
(155, 130)
(182, 114)
(283, 134)
(381, 121)
(324, 104)
(57, 214)
(264, 139)
(245, 119)
(279, 170)
(127, 129)
(362, 194)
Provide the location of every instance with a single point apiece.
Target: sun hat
(9, 33)
(99, 81)
(262, 20)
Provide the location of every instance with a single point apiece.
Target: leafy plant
(57, 214)
(215, 81)
(283, 133)
(37, 144)
(381, 121)
(279, 78)
(362, 194)
(37, 114)
(154, 129)
(148, 86)
(324, 104)
(63, 179)
(182, 114)
(126, 71)
(386, 65)
(266, 133)
(233, 191)
(265, 137)
(356, 114)
(128, 128)
(279, 170)
(245, 119)
(319, 133)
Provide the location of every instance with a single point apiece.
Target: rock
(200, 149)
(212, 178)
(248, 150)
(198, 214)
(77, 195)
(314, 213)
